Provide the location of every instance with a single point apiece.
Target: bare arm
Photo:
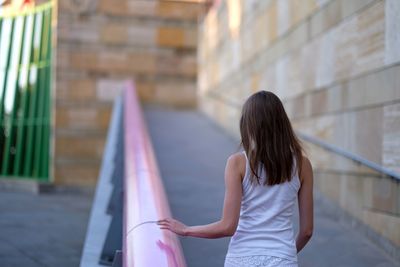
(306, 212)
(227, 225)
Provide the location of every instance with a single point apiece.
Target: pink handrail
(145, 201)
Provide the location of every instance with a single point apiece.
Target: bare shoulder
(237, 159)
(306, 169)
(237, 162)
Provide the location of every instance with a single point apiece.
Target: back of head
(268, 138)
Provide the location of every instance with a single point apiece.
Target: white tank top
(265, 225)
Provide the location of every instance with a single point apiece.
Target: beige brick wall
(101, 43)
(336, 66)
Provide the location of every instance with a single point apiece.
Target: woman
(262, 184)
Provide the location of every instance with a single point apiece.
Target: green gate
(25, 80)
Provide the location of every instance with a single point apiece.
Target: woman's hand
(226, 226)
(173, 225)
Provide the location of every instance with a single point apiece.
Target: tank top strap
(247, 169)
(247, 161)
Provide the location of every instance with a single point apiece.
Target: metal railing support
(100, 217)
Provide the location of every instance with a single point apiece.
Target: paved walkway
(191, 152)
(46, 230)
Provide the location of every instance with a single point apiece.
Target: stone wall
(101, 43)
(336, 66)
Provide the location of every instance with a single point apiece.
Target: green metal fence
(25, 78)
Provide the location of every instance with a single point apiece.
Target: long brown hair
(268, 139)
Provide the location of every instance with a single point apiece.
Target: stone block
(211, 30)
(190, 40)
(83, 174)
(294, 75)
(81, 90)
(68, 74)
(391, 137)
(345, 49)
(72, 29)
(325, 59)
(327, 161)
(309, 62)
(319, 102)
(299, 10)
(283, 16)
(170, 64)
(384, 196)
(392, 31)
(335, 98)
(368, 129)
(376, 88)
(398, 198)
(368, 188)
(255, 82)
(163, 9)
(75, 7)
(344, 132)
(145, 90)
(298, 106)
(352, 194)
(359, 45)
(349, 8)
(246, 44)
(385, 224)
(298, 36)
(140, 34)
(179, 10)
(320, 158)
(108, 89)
(83, 60)
(112, 33)
(326, 18)
(137, 8)
(138, 62)
(226, 28)
(79, 146)
(272, 14)
(178, 94)
(113, 62)
(370, 38)
(170, 37)
(261, 30)
(329, 184)
(62, 59)
(89, 117)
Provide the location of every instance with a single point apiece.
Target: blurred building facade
(334, 63)
(336, 66)
(100, 44)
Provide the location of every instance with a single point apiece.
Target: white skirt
(258, 261)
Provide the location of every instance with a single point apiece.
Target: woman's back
(258, 209)
(265, 224)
